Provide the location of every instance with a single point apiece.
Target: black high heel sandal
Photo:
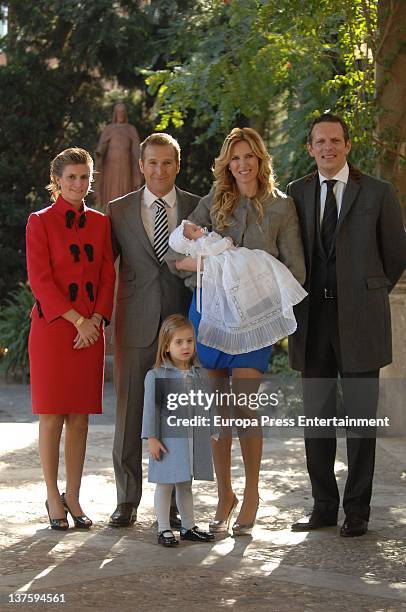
(82, 521)
(60, 524)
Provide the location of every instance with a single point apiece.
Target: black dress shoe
(166, 538)
(353, 526)
(195, 535)
(174, 518)
(124, 515)
(314, 520)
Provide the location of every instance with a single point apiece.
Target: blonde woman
(245, 205)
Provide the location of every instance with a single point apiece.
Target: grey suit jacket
(370, 258)
(278, 234)
(147, 291)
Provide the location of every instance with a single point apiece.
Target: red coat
(70, 265)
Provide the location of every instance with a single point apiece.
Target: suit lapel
(135, 224)
(350, 193)
(310, 189)
(181, 207)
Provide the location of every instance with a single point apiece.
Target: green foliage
(279, 361)
(274, 64)
(59, 57)
(14, 330)
(194, 69)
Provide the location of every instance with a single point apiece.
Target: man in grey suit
(355, 251)
(147, 294)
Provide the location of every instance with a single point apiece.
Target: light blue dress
(189, 448)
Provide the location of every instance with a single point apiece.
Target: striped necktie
(329, 222)
(161, 232)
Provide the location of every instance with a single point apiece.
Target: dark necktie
(329, 222)
(161, 232)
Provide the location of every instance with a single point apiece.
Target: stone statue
(117, 155)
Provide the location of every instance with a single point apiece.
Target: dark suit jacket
(370, 258)
(147, 291)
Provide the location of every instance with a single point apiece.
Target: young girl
(176, 456)
(247, 294)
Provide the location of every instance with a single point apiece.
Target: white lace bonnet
(178, 242)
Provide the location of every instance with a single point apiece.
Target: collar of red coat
(63, 206)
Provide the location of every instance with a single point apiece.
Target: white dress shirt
(342, 179)
(149, 208)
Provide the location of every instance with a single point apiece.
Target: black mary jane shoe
(80, 522)
(166, 538)
(60, 524)
(195, 535)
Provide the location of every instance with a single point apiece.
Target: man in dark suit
(147, 294)
(355, 251)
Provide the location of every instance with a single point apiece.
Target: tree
(194, 68)
(275, 64)
(60, 55)
(390, 59)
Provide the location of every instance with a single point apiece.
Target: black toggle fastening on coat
(73, 291)
(75, 250)
(70, 218)
(89, 251)
(89, 289)
(82, 220)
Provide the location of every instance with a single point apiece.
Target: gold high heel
(244, 529)
(215, 526)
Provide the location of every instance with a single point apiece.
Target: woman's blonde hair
(168, 329)
(226, 193)
(73, 155)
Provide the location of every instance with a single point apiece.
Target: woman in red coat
(71, 274)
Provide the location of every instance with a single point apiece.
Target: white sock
(162, 504)
(184, 500)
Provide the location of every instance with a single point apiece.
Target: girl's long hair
(168, 329)
(226, 194)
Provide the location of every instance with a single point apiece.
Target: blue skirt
(213, 359)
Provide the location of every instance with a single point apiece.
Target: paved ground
(275, 570)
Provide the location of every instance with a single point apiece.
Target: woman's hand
(189, 264)
(88, 334)
(97, 319)
(156, 448)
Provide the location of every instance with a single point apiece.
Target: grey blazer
(147, 291)
(189, 448)
(370, 258)
(279, 233)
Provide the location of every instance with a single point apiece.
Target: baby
(202, 241)
(247, 294)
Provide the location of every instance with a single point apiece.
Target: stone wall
(392, 401)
